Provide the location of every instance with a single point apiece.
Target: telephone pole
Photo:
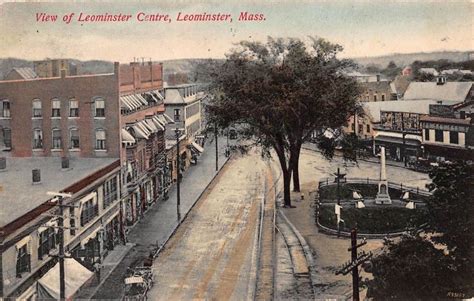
(59, 197)
(353, 265)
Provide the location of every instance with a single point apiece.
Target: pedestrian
(97, 267)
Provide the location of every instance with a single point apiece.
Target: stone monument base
(383, 199)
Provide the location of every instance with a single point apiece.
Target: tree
(280, 92)
(451, 208)
(412, 270)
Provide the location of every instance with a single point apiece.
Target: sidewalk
(375, 160)
(158, 223)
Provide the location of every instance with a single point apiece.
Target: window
(454, 137)
(7, 137)
(110, 191)
(5, 109)
(74, 138)
(375, 97)
(47, 242)
(383, 97)
(177, 114)
(439, 136)
(37, 108)
(56, 108)
(56, 138)
(23, 261)
(73, 108)
(462, 114)
(37, 138)
(368, 128)
(427, 134)
(89, 211)
(99, 107)
(99, 139)
(353, 126)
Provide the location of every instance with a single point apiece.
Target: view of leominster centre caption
(280, 172)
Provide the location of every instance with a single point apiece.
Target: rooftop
(26, 72)
(17, 193)
(436, 119)
(451, 91)
(420, 106)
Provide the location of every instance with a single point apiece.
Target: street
(212, 255)
(159, 221)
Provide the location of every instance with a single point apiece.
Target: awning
(76, 275)
(158, 94)
(169, 119)
(127, 138)
(139, 132)
(143, 128)
(197, 147)
(397, 140)
(158, 123)
(151, 125)
(133, 101)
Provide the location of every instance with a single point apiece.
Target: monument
(382, 195)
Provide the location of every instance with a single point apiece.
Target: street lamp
(178, 196)
(59, 197)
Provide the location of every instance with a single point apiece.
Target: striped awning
(127, 138)
(158, 94)
(139, 132)
(133, 101)
(158, 123)
(169, 119)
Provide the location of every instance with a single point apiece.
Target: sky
(363, 28)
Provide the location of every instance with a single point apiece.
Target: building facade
(29, 235)
(67, 116)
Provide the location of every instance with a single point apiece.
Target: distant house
(21, 73)
(450, 71)
(431, 71)
(376, 91)
(399, 85)
(440, 90)
(407, 71)
(364, 77)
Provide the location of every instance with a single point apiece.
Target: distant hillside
(402, 59)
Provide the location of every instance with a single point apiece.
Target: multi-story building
(29, 217)
(377, 91)
(184, 104)
(146, 176)
(448, 132)
(66, 116)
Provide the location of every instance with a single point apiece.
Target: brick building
(146, 177)
(75, 116)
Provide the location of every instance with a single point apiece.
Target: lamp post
(178, 197)
(217, 148)
(62, 285)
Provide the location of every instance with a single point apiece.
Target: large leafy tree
(280, 92)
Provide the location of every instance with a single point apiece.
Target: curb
(361, 159)
(307, 252)
(162, 246)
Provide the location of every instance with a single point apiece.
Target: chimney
(36, 176)
(64, 163)
(3, 164)
(378, 77)
(440, 80)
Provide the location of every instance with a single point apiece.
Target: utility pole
(403, 140)
(353, 265)
(217, 147)
(62, 284)
(178, 197)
